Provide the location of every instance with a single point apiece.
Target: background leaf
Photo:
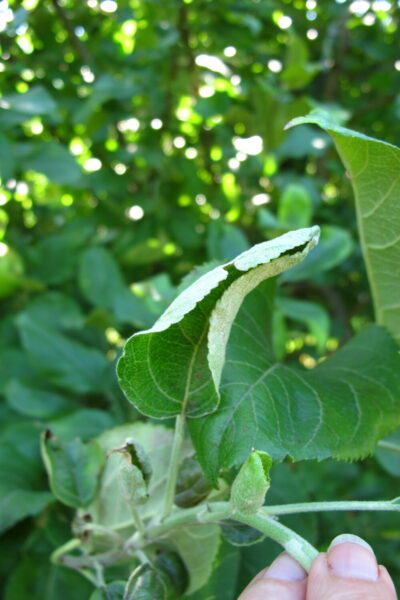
(73, 469)
(373, 166)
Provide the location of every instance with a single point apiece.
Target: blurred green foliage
(139, 139)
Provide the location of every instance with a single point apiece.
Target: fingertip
(284, 579)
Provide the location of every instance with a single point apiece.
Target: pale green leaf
(110, 508)
(198, 546)
(147, 371)
(374, 168)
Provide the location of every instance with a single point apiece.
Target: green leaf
(61, 360)
(113, 591)
(85, 423)
(102, 284)
(222, 583)
(32, 402)
(374, 168)
(37, 579)
(172, 565)
(37, 101)
(147, 583)
(310, 313)
(341, 408)
(335, 245)
(225, 241)
(73, 469)
(22, 493)
(191, 486)
(191, 543)
(53, 160)
(295, 207)
(56, 310)
(239, 534)
(389, 457)
(251, 483)
(147, 369)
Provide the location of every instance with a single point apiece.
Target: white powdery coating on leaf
(257, 255)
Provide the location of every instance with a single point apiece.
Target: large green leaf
(36, 101)
(22, 490)
(53, 160)
(63, 361)
(374, 168)
(73, 469)
(340, 408)
(178, 340)
(102, 284)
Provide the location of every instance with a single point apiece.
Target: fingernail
(285, 568)
(350, 556)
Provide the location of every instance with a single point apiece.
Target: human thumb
(349, 571)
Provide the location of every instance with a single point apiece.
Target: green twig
(305, 507)
(293, 543)
(392, 446)
(174, 466)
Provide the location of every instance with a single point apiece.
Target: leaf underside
(374, 168)
(175, 366)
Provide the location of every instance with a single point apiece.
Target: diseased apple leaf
(374, 168)
(340, 409)
(198, 547)
(172, 367)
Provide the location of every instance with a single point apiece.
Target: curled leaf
(251, 483)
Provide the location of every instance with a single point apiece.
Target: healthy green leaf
(73, 469)
(37, 101)
(341, 408)
(33, 402)
(191, 486)
(389, 456)
(63, 361)
(147, 583)
(37, 579)
(304, 311)
(113, 591)
(147, 369)
(172, 565)
(239, 534)
(374, 168)
(22, 493)
(85, 423)
(53, 160)
(295, 207)
(102, 284)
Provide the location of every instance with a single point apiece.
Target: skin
(348, 571)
